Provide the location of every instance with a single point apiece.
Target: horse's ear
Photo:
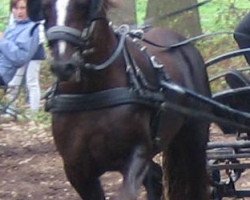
(35, 10)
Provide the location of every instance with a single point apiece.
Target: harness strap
(103, 99)
(123, 30)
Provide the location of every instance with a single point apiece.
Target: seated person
(242, 35)
(29, 73)
(19, 42)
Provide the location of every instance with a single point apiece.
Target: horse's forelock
(35, 10)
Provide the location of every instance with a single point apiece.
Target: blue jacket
(17, 47)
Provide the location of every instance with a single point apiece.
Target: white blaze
(61, 11)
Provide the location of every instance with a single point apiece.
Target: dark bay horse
(106, 105)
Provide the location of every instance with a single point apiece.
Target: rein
(139, 35)
(123, 30)
(150, 21)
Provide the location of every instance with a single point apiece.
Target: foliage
(222, 14)
(4, 14)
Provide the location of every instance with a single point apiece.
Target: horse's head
(71, 26)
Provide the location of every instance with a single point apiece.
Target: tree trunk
(124, 14)
(187, 23)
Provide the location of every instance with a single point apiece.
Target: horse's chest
(116, 123)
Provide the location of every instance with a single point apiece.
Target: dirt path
(30, 167)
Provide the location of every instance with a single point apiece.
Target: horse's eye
(46, 9)
(46, 13)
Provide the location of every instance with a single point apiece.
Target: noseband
(72, 35)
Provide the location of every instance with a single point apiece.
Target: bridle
(81, 39)
(73, 35)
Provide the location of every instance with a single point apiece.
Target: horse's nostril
(69, 68)
(63, 70)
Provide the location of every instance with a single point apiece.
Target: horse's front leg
(153, 181)
(88, 186)
(135, 174)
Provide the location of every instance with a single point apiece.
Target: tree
(186, 23)
(124, 14)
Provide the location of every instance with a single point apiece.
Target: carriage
(119, 101)
(228, 157)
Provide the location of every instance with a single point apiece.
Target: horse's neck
(103, 42)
